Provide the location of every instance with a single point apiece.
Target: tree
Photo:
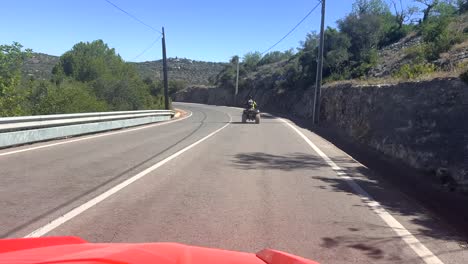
(69, 97)
(226, 77)
(234, 60)
(430, 5)
(88, 61)
(438, 36)
(364, 32)
(176, 86)
(311, 42)
(402, 14)
(336, 55)
(111, 79)
(308, 57)
(250, 60)
(445, 9)
(366, 7)
(154, 87)
(11, 59)
(276, 56)
(462, 6)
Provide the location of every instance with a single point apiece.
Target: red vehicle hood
(74, 250)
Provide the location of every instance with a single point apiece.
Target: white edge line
(80, 209)
(188, 103)
(102, 134)
(237, 108)
(422, 251)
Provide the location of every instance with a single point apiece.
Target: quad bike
(251, 115)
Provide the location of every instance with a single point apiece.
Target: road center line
(422, 251)
(102, 134)
(80, 209)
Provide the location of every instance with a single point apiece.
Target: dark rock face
(423, 124)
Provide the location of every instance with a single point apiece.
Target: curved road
(209, 180)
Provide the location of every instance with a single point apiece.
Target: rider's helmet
(250, 102)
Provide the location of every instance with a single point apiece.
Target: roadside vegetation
(353, 50)
(90, 77)
(93, 77)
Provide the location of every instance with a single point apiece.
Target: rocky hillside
(40, 65)
(409, 49)
(393, 57)
(190, 71)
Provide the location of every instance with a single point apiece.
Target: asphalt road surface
(210, 180)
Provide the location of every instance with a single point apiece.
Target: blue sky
(198, 29)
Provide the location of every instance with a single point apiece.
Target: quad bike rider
(251, 112)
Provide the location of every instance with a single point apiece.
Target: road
(209, 180)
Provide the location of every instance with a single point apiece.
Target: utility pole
(237, 79)
(318, 78)
(166, 92)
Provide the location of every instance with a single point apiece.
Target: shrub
(69, 97)
(394, 34)
(415, 70)
(439, 37)
(370, 60)
(417, 54)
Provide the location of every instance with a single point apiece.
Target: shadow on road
(438, 209)
(370, 246)
(396, 203)
(427, 225)
(261, 161)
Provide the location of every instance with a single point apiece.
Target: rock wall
(423, 124)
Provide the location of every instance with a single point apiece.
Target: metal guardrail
(28, 129)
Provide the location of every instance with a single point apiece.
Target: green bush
(413, 71)
(439, 36)
(91, 77)
(275, 56)
(69, 97)
(417, 54)
(108, 77)
(394, 34)
(369, 60)
(175, 86)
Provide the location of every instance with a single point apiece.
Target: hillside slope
(40, 65)
(190, 71)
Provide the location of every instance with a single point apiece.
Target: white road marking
(104, 134)
(422, 251)
(237, 108)
(80, 209)
(198, 104)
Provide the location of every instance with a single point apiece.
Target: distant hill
(39, 66)
(192, 72)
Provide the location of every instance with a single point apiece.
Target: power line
(294, 28)
(149, 47)
(132, 16)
